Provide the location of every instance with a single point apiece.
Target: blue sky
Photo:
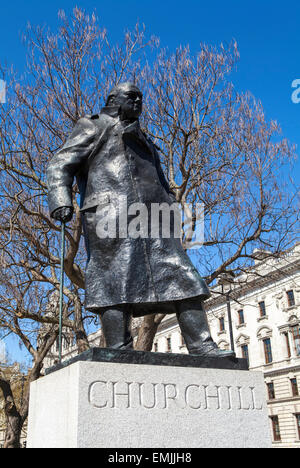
(267, 32)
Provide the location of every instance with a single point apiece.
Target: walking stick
(61, 285)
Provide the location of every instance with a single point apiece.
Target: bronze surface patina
(111, 158)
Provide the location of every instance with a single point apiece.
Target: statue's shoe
(214, 352)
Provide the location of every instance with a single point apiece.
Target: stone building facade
(264, 305)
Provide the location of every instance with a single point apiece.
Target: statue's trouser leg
(116, 327)
(194, 327)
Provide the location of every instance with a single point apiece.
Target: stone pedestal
(126, 405)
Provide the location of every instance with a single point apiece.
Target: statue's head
(128, 98)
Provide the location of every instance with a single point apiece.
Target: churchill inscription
(114, 405)
(132, 395)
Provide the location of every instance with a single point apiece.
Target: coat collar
(113, 111)
(129, 128)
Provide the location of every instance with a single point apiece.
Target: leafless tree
(68, 74)
(217, 148)
(16, 407)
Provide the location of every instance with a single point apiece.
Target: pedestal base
(120, 405)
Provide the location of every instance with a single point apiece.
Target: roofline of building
(253, 284)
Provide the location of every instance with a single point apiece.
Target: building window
(245, 352)
(275, 428)
(169, 348)
(182, 341)
(271, 390)
(296, 336)
(241, 316)
(66, 342)
(221, 323)
(287, 341)
(262, 308)
(290, 298)
(294, 386)
(298, 423)
(267, 350)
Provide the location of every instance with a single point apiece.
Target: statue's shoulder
(85, 122)
(92, 116)
(89, 124)
(89, 120)
(84, 125)
(101, 120)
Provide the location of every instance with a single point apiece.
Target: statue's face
(130, 100)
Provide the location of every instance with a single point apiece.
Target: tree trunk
(148, 331)
(14, 421)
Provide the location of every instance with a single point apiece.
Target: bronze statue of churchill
(110, 157)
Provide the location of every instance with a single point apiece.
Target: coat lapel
(133, 130)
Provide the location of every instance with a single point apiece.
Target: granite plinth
(153, 359)
(89, 404)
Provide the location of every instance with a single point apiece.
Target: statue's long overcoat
(111, 160)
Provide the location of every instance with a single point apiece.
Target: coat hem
(96, 308)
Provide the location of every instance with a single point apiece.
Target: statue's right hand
(63, 214)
